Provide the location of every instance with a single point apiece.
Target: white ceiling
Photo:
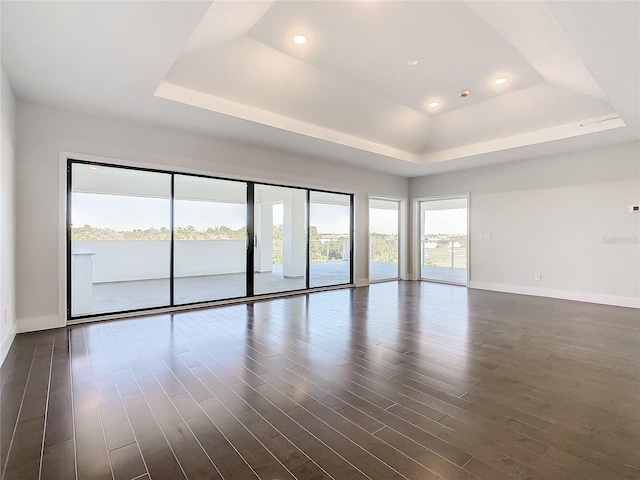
(230, 69)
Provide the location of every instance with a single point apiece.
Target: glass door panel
(210, 235)
(330, 239)
(444, 240)
(383, 239)
(142, 239)
(280, 240)
(120, 239)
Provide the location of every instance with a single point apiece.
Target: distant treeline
(88, 232)
(383, 247)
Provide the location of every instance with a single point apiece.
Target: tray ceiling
(363, 87)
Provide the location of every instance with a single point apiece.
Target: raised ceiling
(349, 94)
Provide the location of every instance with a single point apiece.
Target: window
(329, 239)
(210, 234)
(140, 239)
(384, 224)
(120, 239)
(280, 247)
(444, 241)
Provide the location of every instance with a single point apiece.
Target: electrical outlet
(485, 236)
(538, 277)
(634, 208)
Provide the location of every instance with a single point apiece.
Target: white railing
(445, 257)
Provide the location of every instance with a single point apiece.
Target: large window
(140, 239)
(383, 239)
(280, 246)
(120, 239)
(329, 239)
(444, 240)
(210, 234)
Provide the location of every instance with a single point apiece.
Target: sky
(445, 221)
(126, 213)
(383, 221)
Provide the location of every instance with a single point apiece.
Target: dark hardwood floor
(398, 380)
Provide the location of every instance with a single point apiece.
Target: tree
(384, 248)
(88, 232)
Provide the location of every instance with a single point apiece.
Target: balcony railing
(445, 257)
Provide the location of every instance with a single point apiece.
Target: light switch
(485, 236)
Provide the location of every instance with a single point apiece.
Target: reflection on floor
(400, 380)
(444, 274)
(123, 296)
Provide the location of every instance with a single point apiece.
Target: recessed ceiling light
(412, 62)
(500, 81)
(433, 104)
(299, 39)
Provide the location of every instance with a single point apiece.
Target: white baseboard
(44, 322)
(632, 302)
(5, 346)
(362, 282)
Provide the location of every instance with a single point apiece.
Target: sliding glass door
(210, 234)
(280, 239)
(384, 222)
(329, 238)
(140, 239)
(120, 239)
(444, 240)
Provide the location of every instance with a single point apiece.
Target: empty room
(320, 240)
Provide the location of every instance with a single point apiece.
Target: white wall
(124, 260)
(565, 217)
(43, 132)
(7, 217)
(209, 257)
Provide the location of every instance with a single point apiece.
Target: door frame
(402, 237)
(417, 250)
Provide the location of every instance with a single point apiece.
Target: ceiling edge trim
(177, 93)
(559, 132)
(188, 96)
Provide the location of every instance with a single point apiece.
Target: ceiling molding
(560, 132)
(194, 98)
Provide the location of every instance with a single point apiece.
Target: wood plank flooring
(398, 380)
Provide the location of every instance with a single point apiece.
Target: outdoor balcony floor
(132, 295)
